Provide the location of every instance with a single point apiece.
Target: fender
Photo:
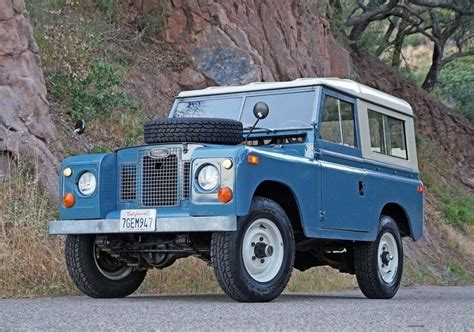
(300, 174)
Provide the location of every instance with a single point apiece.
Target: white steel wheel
(387, 258)
(263, 250)
(108, 266)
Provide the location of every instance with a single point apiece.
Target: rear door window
(387, 135)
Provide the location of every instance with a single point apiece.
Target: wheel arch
(399, 214)
(284, 196)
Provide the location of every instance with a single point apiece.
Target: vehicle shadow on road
(288, 297)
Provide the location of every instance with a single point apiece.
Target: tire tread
(366, 268)
(193, 130)
(222, 255)
(76, 252)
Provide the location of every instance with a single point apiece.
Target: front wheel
(254, 263)
(96, 273)
(379, 264)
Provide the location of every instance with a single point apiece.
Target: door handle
(361, 188)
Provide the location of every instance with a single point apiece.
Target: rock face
(26, 129)
(237, 42)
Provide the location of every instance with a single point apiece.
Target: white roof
(348, 86)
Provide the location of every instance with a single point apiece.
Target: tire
(229, 260)
(86, 274)
(376, 277)
(193, 130)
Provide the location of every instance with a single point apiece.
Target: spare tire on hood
(193, 130)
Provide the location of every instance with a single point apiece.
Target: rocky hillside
(121, 63)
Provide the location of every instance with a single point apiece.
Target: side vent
(186, 179)
(128, 182)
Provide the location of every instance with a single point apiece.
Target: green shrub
(415, 39)
(458, 209)
(457, 270)
(456, 85)
(414, 77)
(111, 8)
(97, 94)
(154, 20)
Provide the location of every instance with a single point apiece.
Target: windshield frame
(315, 89)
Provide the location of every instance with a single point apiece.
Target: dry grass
(192, 275)
(31, 262)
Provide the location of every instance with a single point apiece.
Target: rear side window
(337, 125)
(387, 135)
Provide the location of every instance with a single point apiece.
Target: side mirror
(80, 127)
(260, 110)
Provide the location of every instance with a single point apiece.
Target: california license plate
(138, 220)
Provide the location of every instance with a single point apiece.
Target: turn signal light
(420, 189)
(224, 194)
(253, 159)
(69, 200)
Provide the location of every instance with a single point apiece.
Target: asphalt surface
(423, 308)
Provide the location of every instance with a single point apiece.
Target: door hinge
(322, 216)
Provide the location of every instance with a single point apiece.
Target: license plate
(137, 220)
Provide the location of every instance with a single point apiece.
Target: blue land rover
(256, 180)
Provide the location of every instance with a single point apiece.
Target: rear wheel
(96, 273)
(254, 263)
(379, 264)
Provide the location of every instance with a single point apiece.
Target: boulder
(189, 79)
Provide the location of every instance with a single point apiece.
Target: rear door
(343, 179)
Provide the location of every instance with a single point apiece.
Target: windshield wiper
(267, 129)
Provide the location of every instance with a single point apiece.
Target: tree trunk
(386, 38)
(358, 30)
(27, 132)
(397, 47)
(433, 73)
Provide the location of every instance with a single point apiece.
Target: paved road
(447, 308)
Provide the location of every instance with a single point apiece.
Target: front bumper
(163, 225)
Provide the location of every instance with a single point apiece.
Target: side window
(337, 124)
(387, 135)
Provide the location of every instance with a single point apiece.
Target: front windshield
(224, 108)
(287, 110)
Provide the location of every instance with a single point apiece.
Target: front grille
(154, 181)
(128, 182)
(160, 181)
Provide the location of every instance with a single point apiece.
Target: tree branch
(455, 56)
(444, 5)
(368, 15)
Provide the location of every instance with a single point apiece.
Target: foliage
(456, 85)
(390, 25)
(415, 40)
(458, 209)
(96, 94)
(415, 274)
(414, 77)
(33, 265)
(458, 271)
(111, 8)
(154, 20)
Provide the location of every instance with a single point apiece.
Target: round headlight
(87, 183)
(208, 177)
